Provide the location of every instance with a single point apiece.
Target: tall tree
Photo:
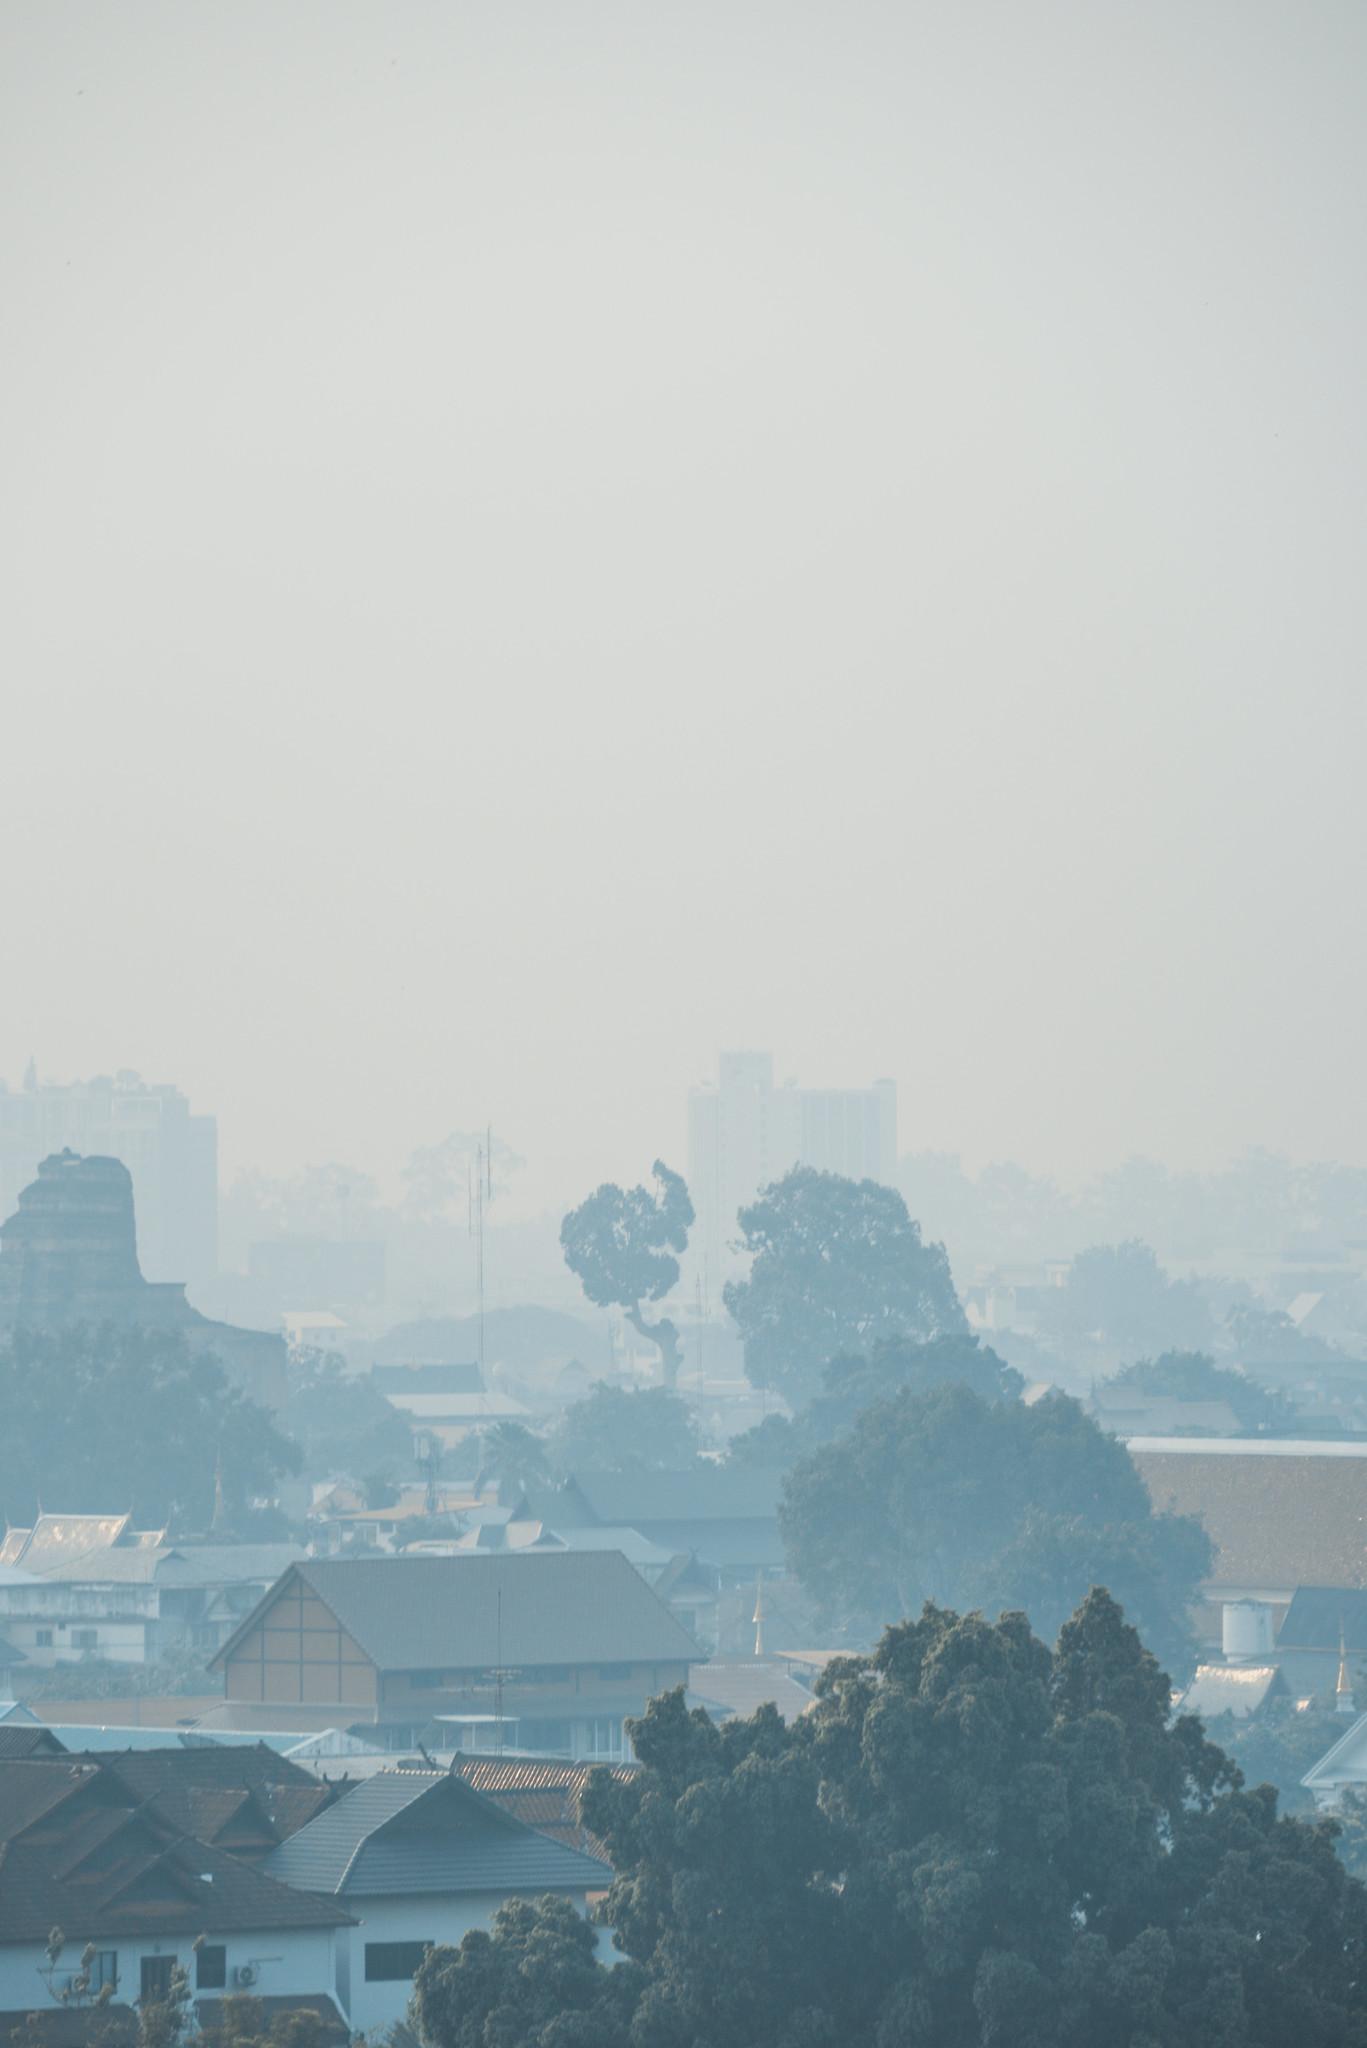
(969, 1842)
(621, 1243)
(836, 1265)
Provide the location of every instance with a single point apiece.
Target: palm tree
(515, 1457)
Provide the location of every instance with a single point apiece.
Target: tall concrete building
(744, 1132)
(171, 1154)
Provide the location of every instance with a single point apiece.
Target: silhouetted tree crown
(621, 1244)
(836, 1266)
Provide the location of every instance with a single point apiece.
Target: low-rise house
(81, 1853)
(416, 1858)
(567, 1644)
(89, 1586)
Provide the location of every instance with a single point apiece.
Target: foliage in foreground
(970, 1842)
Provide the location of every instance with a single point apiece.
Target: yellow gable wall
(298, 1653)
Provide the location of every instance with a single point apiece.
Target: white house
(134, 1896)
(417, 1858)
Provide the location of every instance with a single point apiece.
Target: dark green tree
(972, 1842)
(836, 1266)
(532, 1982)
(621, 1244)
(616, 1429)
(937, 1496)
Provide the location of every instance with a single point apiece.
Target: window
(155, 1978)
(211, 1969)
(614, 1670)
(43, 1638)
(392, 1962)
(85, 1638)
(105, 1969)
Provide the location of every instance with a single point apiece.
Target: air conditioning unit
(245, 1973)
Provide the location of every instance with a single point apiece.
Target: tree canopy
(125, 1419)
(615, 1429)
(970, 1841)
(621, 1243)
(836, 1266)
(944, 1495)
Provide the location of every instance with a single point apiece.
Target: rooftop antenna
(1343, 1691)
(758, 1616)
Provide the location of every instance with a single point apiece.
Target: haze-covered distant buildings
(744, 1132)
(171, 1153)
(69, 1254)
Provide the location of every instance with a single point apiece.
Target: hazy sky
(547, 538)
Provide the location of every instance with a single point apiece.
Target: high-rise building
(171, 1154)
(744, 1132)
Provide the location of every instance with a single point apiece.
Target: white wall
(299, 1961)
(434, 1918)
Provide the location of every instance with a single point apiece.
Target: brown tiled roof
(544, 1796)
(78, 1850)
(1277, 1519)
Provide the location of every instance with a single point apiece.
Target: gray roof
(427, 1831)
(513, 1608)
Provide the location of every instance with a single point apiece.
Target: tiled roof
(424, 1832)
(246, 1800)
(1278, 1518)
(17, 1740)
(517, 1608)
(77, 1852)
(541, 1795)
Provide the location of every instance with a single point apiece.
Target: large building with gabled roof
(551, 1651)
